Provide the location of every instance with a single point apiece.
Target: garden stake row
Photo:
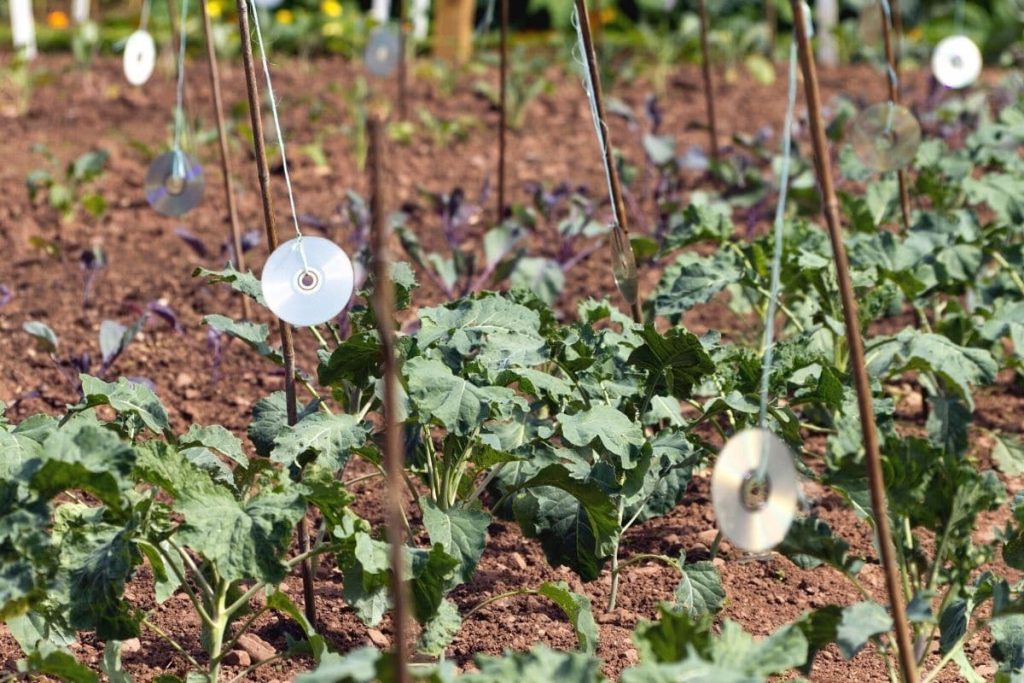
(892, 61)
(873, 458)
(225, 158)
(623, 259)
(705, 66)
(394, 457)
(270, 224)
(502, 109)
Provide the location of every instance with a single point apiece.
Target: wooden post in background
(453, 30)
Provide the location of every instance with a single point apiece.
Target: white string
(579, 55)
(487, 19)
(179, 111)
(280, 135)
(776, 277)
(144, 15)
(894, 80)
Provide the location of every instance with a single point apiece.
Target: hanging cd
(139, 57)
(885, 137)
(174, 183)
(307, 281)
(956, 62)
(754, 516)
(382, 51)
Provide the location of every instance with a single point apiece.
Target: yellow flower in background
(57, 20)
(331, 8)
(284, 16)
(214, 8)
(608, 15)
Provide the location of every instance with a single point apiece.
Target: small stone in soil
(238, 658)
(518, 561)
(131, 646)
(378, 638)
(707, 537)
(259, 649)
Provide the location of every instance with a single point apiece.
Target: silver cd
(956, 62)
(383, 50)
(307, 281)
(174, 183)
(754, 517)
(885, 137)
(139, 57)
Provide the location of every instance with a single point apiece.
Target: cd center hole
(175, 184)
(956, 61)
(754, 493)
(308, 280)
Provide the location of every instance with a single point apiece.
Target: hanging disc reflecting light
(956, 62)
(754, 517)
(311, 290)
(383, 50)
(139, 57)
(174, 183)
(624, 265)
(885, 137)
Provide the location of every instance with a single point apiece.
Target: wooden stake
(894, 96)
(270, 223)
(225, 156)
(618, 205)
(453, 30)
(502, 110)
(873, 458)
(709, 88)
(394, 457)
(403, 43)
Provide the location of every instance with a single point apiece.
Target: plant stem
(1014, 275)
(495, 598)
(248, 670)
(709, 89)
(614, 592)
(319, 337)
(244, 628)
(183, 581)
(946, 658)
(221, 619)
(170, 641)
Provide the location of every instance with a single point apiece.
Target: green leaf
(577, 609)
(1008, 641)
(85, 457)
(607, 426)
(432, 572)
(443, 398)
(574, 519)
(254, 335)
(810, 543)
(674, 636)
(270, 419)
(539, 665)
(111, 664)
(693, 279)
(245, 541)
(494, 331)
(366, 579)
(57, 663)
(461, 532)
(358, 666)
(245, 283)
(959, 367)
(1008, 454)
(115, 338)
(126, 397)
(860, 622)
(675, 361)
(217, 438)
(439, 632)
(331, 438)
(44, 336)
(700, 590)
(89, 165)
(355, 360)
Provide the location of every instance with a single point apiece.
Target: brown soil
(75, 111)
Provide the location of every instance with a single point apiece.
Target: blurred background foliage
(657, 33)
